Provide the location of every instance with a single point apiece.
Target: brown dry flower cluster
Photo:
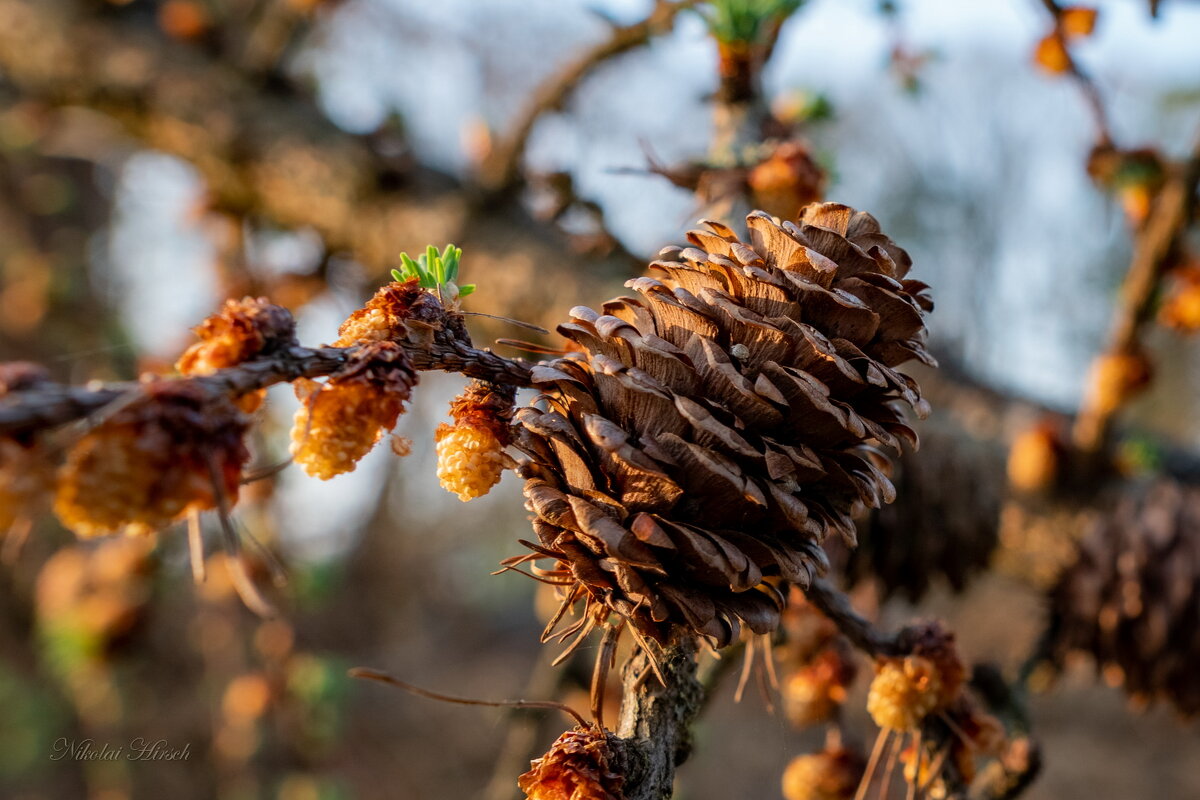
(167, 453)
(384, 316)
(339, 421)
(241, 331)
(723, 420)
(579, 766)
(977, 735)
(470, 453)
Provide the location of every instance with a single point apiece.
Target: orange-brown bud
(241, 331)
(579, 766)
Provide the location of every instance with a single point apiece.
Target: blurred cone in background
(1132, 600)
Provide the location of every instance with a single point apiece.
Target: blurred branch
(858, 629)
(502, 170)
(1170, 215)
(1087, 85)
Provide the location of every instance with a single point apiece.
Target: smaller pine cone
(579, 766)
(152, 462)
(241, 331)
(1131, 600)
(814, 692)
(903, 692)
(832, 774)
(339, 422)
(384, 318)
(470, 453)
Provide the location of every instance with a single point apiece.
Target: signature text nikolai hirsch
(138, 749)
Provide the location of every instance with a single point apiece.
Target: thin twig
(383, 677)
(502, 171)
(196, 546)
(855, 627)
(1087, 85)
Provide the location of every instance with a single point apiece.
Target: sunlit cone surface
(152, 462)
(578, 767)
(338, 422)
(720, 422)
(470, 453)
(1132, 600)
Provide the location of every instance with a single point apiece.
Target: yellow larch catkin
(339, 422)
(470, 460)
(470, 452)
(904, 691)
(153, 462)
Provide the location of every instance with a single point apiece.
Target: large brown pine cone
(717, 426)
(1132, 599)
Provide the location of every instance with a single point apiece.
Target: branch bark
(49, 405)
(656, 718)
